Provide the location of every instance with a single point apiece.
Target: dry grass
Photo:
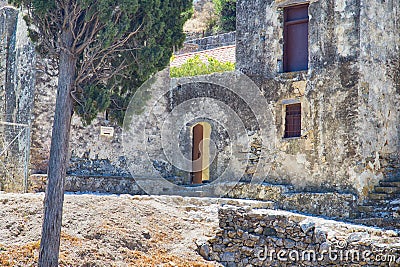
(23, 255)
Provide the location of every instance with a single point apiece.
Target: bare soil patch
(109, 230)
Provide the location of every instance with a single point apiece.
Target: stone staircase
(383, 206)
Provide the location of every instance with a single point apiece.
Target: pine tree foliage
(118, 45)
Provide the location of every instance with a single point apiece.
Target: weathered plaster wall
(346, 94)
(379, 94)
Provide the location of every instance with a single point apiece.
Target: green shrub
(195, 66)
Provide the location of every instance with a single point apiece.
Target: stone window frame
(287, 3)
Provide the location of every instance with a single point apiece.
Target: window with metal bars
(293, 120)
(295, 57)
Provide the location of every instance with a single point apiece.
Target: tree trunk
(58, 162)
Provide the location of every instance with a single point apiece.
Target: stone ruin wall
(349, 95)
(262, 237)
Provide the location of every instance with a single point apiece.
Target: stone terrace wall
(332, 205)
(275, 238)
(98, 184)
(211, 42)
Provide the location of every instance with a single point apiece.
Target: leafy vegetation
(195, 66)
(226, 12)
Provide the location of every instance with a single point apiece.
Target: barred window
(293, 120)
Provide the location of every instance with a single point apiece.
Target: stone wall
(91, 153)
(260, 237)
(226, 101)
(378, 119)
(349, 94)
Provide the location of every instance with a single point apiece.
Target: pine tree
(104, 50)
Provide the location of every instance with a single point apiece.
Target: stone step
(372, 208)
(379, 214)
(382, 203)
(390, 183)
(367, 209)
(389, 223)
(383, 196)
(380, 208)
(387, 189)
(393, 174)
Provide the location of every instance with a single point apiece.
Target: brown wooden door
(196, 154)
(296, 38)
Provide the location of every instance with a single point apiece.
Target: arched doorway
(201, 152)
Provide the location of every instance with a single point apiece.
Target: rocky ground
(110, 230)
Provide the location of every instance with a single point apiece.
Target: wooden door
(197, 163)
(296, 38)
